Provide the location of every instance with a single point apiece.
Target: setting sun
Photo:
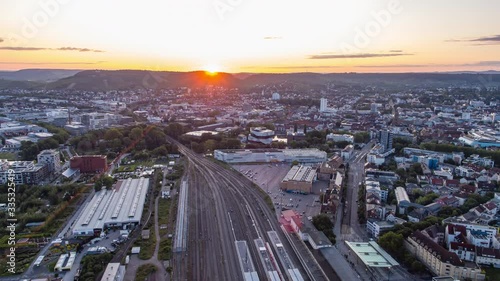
(211, 69)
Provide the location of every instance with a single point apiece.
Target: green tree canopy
(322, 222)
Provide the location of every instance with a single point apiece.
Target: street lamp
(389, 273)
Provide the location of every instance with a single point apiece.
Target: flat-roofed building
(122, 206)
(371, 254)
(299, 179)
(89, 163)
(51, 158)
(22, 172)
(305, 156)
(261, 135)
(114, 272)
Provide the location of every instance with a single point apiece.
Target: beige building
(439, 260)
(299, 179)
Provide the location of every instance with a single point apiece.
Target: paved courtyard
(268, 177)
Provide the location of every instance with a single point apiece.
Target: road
(351, 229)
(224, 207)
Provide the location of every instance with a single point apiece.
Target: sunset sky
(251, 35)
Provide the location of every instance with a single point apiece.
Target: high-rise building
(51, 158)
(323, 105)
(385, 139)
(374, 108)
(276, 96)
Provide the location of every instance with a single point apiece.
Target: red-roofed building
(437, 181)
(491, 207)
(470, 189)
(291, 221)
(453, 231)
(488, 256)
(464, 251)
(452, 183)
(439, 260)
(449, 200)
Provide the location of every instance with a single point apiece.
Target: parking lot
(268, 177)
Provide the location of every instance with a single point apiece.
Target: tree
(391, 242)
(210, 145)
(155, 138)
(135, 133)
(295, 163)
(29, 150)
(362, 137)
(108, 181)
(174, 130)
(322, 222)
(427, 199)
(112, 134)
(49, 143)
(417, 266)
(160, 151)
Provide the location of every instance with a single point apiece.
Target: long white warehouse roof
(123, 204)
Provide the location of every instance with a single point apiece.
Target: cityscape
(234, 147)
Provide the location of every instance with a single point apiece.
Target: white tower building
(323, 105)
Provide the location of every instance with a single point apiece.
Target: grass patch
(51, 265)
(165, 251)
(147, 246)
(7, 155)
(492, 273)
(163, 214)
(144, 271)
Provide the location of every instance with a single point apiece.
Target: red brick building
(89, 163)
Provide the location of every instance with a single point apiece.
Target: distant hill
(10, 84)
(38, 75)
(136, 79)
(101, 80)
(374, 79)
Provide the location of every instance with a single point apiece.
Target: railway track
(240, 213)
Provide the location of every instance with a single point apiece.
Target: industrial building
(89, 163)
(303, 156)
(121, 206)
(299, 179)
